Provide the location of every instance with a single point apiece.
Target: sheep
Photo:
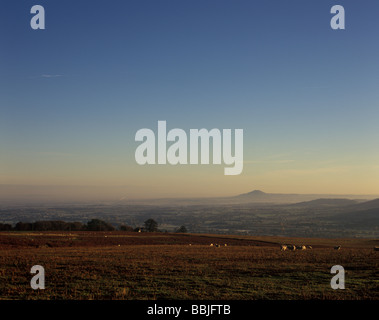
(376, 248)
(337, 247)
(225, 245)
(217, 245)
(291, 247)
(211, 245)
(283, 247)
(309, 247)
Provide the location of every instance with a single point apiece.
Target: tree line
(92, 225)
(150, 225)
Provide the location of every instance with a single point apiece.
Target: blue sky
(73, 95)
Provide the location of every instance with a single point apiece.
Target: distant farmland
(136, 266)
(322, 218)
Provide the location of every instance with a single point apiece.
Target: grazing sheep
(211, 245)
(309, 247)
(337, 247)
(303, 248)
(283, 247)
(225, 245)
(291, 247)
(217, 245)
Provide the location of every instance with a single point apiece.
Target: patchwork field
(139, 266)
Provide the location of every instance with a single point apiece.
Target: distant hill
(368, 205)
(258, 196)
(255, 193)
(364, 215)
(326, 203)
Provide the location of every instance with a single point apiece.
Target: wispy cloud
(46, 76)
(55, 154)
(277, 158)
(312, 171)
(51, 75)
(268, 161)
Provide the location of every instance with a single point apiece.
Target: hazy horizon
(24, 194)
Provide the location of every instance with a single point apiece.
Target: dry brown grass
(163, 266)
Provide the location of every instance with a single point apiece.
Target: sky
(73, 96)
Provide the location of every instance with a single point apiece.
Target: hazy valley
(255, 213)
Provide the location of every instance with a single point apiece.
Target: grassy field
(139, 266)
